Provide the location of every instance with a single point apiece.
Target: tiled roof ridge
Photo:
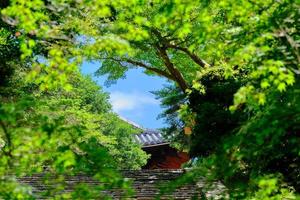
(150, 137)
(135, 125)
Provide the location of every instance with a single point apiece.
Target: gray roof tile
(149, 138)
(144, 183)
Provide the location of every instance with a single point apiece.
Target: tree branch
(162, 52)
(292, 43)
(143, 65)
(192, 55)
(161, 48)
(166, 43)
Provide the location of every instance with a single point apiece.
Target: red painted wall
(165, 157)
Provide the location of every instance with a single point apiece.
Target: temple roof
(149, 138)
(144, 183)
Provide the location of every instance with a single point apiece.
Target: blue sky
(131, 97)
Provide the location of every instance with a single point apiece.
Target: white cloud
(130, 101)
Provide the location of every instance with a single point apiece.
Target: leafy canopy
(219, 56)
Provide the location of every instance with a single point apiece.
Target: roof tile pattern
(144, 183)
(149, 138)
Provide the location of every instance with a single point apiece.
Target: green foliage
(10, 189)
(270, 188)
(213, 118)
(88, 108)
(58, 134)
(54, 29)
(63, 131)
(66, 132)
(255, 47)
